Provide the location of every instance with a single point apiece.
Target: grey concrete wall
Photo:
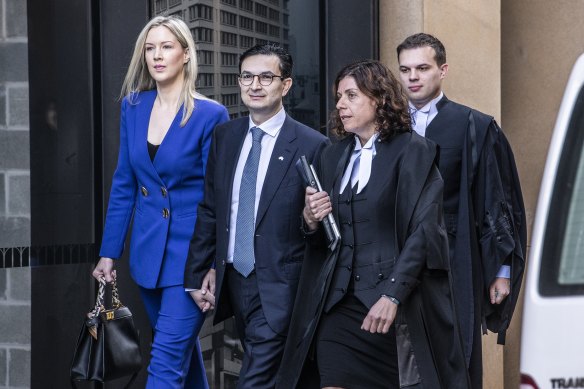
(15, 296)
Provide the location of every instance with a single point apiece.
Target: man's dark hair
(271, 49)
(421, 40)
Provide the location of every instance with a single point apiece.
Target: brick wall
(15, 292)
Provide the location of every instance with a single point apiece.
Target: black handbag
(108, 346)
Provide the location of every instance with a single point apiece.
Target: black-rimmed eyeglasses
(265, 79)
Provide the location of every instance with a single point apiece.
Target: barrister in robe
(483, 204)
(377, 312)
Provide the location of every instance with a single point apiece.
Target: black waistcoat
(368, 241)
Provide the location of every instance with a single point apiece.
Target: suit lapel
(441, 119)
(142, 120)
(233, 143)
(346, 148)
(280, 161)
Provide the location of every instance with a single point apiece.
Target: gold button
(144, 191)
(165, 213)
(164, 192)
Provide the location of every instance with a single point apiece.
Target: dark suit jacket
(143, 189)
(279, 243)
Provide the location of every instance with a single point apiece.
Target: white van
(552, 341)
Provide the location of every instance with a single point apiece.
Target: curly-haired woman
(377, 311)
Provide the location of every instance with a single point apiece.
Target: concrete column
(471, 33)
(15, 292)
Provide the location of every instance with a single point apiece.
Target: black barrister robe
(485, 218)
(430, 354)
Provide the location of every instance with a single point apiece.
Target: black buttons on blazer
(165, 213)
(144, 191)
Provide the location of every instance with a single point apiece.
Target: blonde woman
(165, 133)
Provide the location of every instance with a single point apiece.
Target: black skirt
(350, 357)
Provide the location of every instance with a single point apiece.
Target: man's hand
(205, 297)
(316, 206)
(209, 281)
(104, 269)
(499, 290)
(380, 316)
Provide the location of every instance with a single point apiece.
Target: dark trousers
(263, 348)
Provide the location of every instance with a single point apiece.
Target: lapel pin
(281, 158)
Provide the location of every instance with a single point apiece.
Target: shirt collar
(272, 125)
(430, 107)
(369, 145)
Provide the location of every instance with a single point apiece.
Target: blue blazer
(279, 242)
(161, 195)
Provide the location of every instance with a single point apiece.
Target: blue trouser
(176, 360)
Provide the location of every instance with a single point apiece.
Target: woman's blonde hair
(138, 78)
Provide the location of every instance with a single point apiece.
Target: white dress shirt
(423, 117)
(272, 129)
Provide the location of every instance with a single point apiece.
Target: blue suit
(162, 196)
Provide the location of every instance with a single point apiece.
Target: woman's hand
(380, 316)
(104, 269)
(316, 206)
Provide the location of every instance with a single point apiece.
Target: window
(261, 10)
(245, 42)
(286, 20)
(246, 5)
(275, 31)
(205, 80)
(200, 11)
(246, 23)
(228, 18)
(160, 5)
(228, 39)
(178, 13)
(233, 3)
(229, 59)
(261, 27)
(231, 117)
(275, 2)
(260, 41)
(228, 79)
(205, 57)
(230, 99)
(274, 14)
(562, 266)
(202, 35)
(174, 3)
(285, 33)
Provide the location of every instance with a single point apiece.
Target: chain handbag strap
(93, 315)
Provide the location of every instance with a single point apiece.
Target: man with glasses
(248, 229)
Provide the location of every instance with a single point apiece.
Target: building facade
(62, 64)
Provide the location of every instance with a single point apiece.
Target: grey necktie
(243, 253)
